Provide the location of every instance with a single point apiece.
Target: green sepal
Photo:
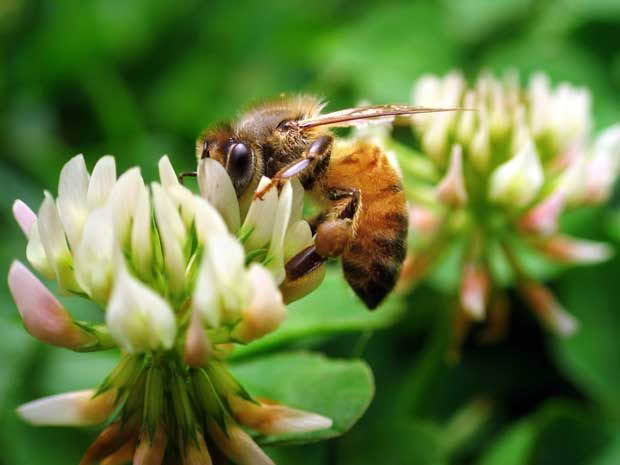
(256, 255)
(224, 382)
(153, 400)
(207, 398)
(123, 375)
(244, 234)
(102, 338)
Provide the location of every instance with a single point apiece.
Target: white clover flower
(503, 175)
(177, 275)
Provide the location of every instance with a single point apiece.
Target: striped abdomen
(372, 261)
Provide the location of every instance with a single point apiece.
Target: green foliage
(142, 78)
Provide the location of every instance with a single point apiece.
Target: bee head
(237, 155)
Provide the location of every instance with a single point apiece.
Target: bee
(364, 218)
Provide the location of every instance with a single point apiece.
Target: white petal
(184, 201)
(276, 248)
(43, 316)
(237, 445)
(77, 408)
(205, 299)
(36, 253)
(274, 419)
(517, 181)
(298, 237)
(24, 216)
(173, 237)
(227, 259)
(266, 311)
(297, 207)
(217, 188)
(95, 255)
(54, 243)
(167, 176)
(101, 182)
(208, 221)
(72, 198)
(122, 200)
(139, 319)
(141, 234)
(260, 217)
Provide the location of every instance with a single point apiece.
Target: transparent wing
(372, 114)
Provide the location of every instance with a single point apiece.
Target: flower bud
(517, 181)
(54, 243)
(237, 445)
(142, 233)
(480, 147)
(122, 201)
(280, 226)
(24, 216)
(260, 217)
(451, 190)
(173, 237)
(570, 250)
(73, 198)
(95, 255)
(101, 182)
(266, 310)
(475, 290)
(272, 418)
(167, 175)
(548, 309)
(44, 317)
(138, 318)
(603, 166)
(196, 452)
(151, 450)
(197, 346)
(78, 408)
(543, 217)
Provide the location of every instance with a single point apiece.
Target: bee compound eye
(239, 159)
(205, 149)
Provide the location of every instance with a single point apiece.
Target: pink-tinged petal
(543, 218)
(150, 451)
(237, 445)
(571, 250)
(44, 317)
(272, 418)
(197, 346)
(24, 216)
(423, 221)
(475, 290)
(77, 408)
(266, 310)
(196, 452)
(548, 309)
(451, 190)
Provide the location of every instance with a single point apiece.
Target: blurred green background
(140, 79)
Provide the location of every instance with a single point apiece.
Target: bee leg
(310, 166)
(334, 235)
(186, 174)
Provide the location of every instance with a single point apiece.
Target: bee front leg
(308, 168)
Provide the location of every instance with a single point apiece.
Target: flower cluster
(180, 277)
(496, 179)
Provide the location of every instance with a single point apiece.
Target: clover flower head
(496, 178)
(179, 277)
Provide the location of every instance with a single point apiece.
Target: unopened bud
(517, 181)
(571, 250)
(548, 309)
(475, 290)
(451, 190)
